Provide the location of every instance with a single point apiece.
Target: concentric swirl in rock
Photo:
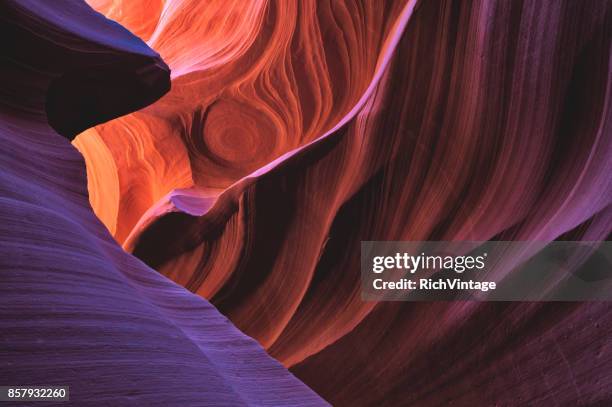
(390, 121)
(75, 309)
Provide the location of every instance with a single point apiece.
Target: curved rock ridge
(302, 129)
(250, 83)
(75, 309)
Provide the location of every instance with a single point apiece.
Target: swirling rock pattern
(75, 309)
(294, 130)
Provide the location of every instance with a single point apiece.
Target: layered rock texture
(75, 309)
(293, 131)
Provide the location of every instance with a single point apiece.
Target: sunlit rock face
(251, 81)
(75, 309)
(295, 130)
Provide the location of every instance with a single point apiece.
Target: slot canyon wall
(288, 132)
(295, 130)
(75, 309)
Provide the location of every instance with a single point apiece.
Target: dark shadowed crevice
(83, 98)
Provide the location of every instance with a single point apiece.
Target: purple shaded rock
(75, 309)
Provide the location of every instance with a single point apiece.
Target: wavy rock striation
(295, 130)
(75, 309)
